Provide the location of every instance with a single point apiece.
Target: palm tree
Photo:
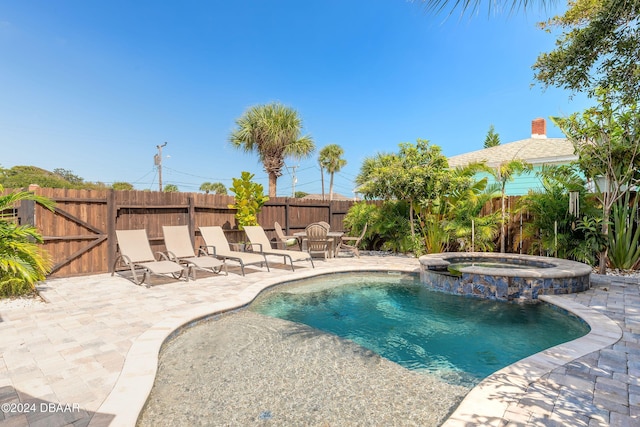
(330, 158)
(21, 260)
(273, 131)
(503, 173)
(215, 187)
(466, 222)
(474, 5)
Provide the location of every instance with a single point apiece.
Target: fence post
(112, 217)
(192, 217)
(27, 213)
(286, 216)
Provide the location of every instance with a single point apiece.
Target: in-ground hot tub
(503, 276)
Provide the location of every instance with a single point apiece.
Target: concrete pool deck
(89, 356)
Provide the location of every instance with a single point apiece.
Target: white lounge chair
(135, 252)
(260, 243)
(180, 249)
(216, 244)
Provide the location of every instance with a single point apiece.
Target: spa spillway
(503, 277)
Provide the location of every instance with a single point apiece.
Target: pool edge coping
(559, 268)
(135, 381)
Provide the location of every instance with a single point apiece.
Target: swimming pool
(461, 340)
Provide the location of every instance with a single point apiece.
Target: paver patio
(88, 356)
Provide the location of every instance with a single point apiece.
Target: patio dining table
(333, 235)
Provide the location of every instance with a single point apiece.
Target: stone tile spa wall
(540, 276)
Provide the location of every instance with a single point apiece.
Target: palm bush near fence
(467, 227)
(552, 229)
(22, 262)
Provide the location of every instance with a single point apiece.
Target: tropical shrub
(436, 236)
(624, 234)
(23, 176)
(22, 262)
(249, 199)
(388, 225)
(552, 229)
(122, 186)
(607, 142)
(417, 175)
(466, 225)
(394, 228)
(592, 241)
(359, 214)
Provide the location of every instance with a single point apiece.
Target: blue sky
(94, 87)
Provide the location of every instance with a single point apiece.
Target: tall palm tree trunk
(322, 180)
(331, 187)
(273, 178)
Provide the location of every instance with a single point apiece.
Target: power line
(144, 176)
(293, 178)
(198, 176)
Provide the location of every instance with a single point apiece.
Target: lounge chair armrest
(169, 256)
(125, 259)
(205, 249)
(202, 251)
(279, 244)
(237, 246)
(349, 238)
(259, 245)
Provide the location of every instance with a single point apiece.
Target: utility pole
(293, 180)
(158, 161)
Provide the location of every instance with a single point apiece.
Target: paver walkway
(601, 388)
(88, 355)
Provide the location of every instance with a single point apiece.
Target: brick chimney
(538, 128)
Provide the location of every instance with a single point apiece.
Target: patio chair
(260, 244)
(286, 240)
(135, 252)
(350, 244)
(217, 245)
(180, 249)
(317, 241)
(325, 225)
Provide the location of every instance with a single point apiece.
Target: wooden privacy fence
(80, 233)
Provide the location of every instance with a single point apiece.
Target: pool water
(461, 340)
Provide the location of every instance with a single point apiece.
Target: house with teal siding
(538, 150)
